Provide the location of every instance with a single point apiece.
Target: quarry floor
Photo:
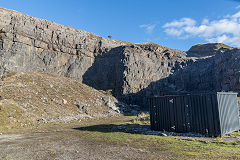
(106, 139)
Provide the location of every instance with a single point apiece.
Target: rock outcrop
(218, 72)
(132, 72)
(209, 49)
(30, 44)
(129, 69)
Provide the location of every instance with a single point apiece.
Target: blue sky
(175, 24)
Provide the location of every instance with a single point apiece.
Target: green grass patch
(11, 115)
(158, 145)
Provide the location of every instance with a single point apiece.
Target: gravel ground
(61, 146)
(111, 138)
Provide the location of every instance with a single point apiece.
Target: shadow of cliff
(195, 77)
(105, 72)
(218, 73)
(201, 75)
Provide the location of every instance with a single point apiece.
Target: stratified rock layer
(132, 71)
(129, 69)
(30, 44)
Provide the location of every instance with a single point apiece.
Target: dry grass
(9, 10)
(12, 115)
(170, 147)
(48, 96)
(103, 138)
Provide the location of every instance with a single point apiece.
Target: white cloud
(225, 30)
(238, 7)
(181, 23)
(237, 15)
(174, 32)
(148, 27)
(205, 21)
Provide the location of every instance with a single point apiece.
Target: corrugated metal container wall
(199, 113)
(229, 114)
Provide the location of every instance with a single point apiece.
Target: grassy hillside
(31, 98)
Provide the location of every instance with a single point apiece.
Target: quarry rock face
(219, 72)
(131, 72)
(30, 44)
(157, 72)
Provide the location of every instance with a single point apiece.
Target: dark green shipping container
(211, 114)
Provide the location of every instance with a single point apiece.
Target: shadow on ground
(126, 128)
(143, 129)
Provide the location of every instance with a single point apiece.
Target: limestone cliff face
(153, 70)
(145, 64)
(218, 72)
(128, 70)
(132, 71)
(30, 44)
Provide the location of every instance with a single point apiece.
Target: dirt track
(61, 146)
(103, 139)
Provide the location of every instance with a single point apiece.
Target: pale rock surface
(133, 72)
